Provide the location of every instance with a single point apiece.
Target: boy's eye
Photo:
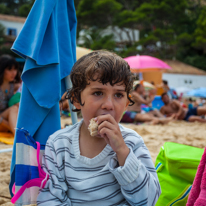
(97, 93)
(119, 95)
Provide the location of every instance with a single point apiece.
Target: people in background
(10, 82)
(173, 107)
(171, 92)
(134, 113)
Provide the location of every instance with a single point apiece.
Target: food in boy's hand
(93, 127)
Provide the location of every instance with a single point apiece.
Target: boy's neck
(90, 146)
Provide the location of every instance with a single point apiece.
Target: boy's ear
(77, 105)
(127, 104)
(128, 101)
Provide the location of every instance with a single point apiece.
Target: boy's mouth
(106, 113)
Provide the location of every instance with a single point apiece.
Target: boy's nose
(108, 104)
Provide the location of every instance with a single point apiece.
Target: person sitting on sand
(9, 84)
(173, 107)
(134, 112)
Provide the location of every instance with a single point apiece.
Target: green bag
(176, 166)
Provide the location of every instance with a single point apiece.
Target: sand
(193, 134)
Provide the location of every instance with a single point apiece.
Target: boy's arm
(137, 178)
(55, 191)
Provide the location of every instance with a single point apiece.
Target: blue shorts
(191, 112)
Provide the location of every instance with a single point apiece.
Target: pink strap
(38, 182)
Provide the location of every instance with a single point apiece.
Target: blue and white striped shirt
(77, 180)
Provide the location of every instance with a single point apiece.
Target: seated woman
(9, 84)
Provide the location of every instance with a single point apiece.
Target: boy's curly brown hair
(102, 66)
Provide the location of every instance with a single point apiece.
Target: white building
(12, 24)
(183, 75)
(122, 34)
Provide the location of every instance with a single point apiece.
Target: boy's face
(99, 99)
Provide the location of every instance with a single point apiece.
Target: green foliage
(168, 28)
(4, 9)
(198, 61)
(94, 40)
(24, 10)
(200, 31)
(2, 29)
(100, 13)
(6, 49)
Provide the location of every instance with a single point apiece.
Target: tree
(24, 10)
(92, 39)
(200, 32)
(4, 9)
(2, 29)
(99, 13)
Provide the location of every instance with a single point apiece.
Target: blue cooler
(157, 103)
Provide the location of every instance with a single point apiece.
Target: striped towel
(26, 166)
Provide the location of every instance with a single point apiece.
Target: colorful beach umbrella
(146, 85)
(143, 63)
(47, 42)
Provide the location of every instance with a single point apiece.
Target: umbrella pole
(73, 114)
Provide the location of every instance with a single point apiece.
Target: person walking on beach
(173, 107)
(9, 84)
(113, 167)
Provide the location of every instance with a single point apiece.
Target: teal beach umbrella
(47, 42)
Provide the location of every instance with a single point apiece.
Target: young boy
(112, 168)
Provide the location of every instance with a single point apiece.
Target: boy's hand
(109, 129)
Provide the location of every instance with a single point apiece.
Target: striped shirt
(77, 180)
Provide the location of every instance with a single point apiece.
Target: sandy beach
(193, 134)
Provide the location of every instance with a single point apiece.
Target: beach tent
(47, 42)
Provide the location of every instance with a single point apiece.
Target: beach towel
(197, 195)
(176, 166)
(6, 137)
(29, 177)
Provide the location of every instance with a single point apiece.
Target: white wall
(120, 35)
(12, 25)
(185, 80)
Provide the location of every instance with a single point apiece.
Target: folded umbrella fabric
(197, 195)
(48, 43)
